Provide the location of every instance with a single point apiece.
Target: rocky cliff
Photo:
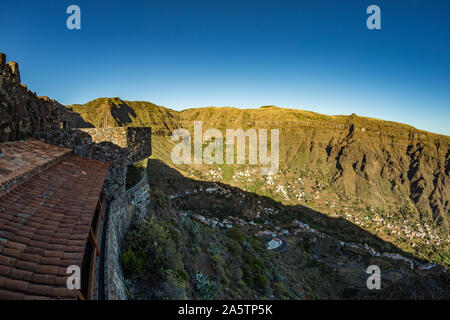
(23, 113)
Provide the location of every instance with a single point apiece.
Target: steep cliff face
(407, 169)
(23, 113)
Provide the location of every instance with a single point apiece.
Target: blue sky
(316, 55)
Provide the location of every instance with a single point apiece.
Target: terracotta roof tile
(40, 289)
(21, 274)
(30, 257)
(44, 279)
(45, 269)
(5, 270)
(9, 295)
(16, 285)
(26, 157)
(45, 218)
(64, 293)
(7, 261)
(26, 265)
(16, 245)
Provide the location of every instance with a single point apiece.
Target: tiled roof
(44, 226)
(22, 159)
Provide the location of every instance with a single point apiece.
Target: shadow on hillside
(78, 121)
(172, 182)
(413, 285)
(122, 114)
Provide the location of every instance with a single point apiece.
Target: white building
(274, 243)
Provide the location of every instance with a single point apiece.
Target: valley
(217, 234)
(345, 183)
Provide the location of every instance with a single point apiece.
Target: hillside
(207, 240)
(114, 112)
(388, 178)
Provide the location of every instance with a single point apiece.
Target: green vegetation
(235, 247)
(206, 289)
(151, 255)
(253, 272)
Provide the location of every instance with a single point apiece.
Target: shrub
(220, 271)
(206, 289)
(182, 274)
(260, 281)
(241, 284)
(255, 243)
(254, 272)
(150, 247)
(239, 274)
(175, 285)
(218, 260)
(236, 234)
(213, 249)
(174, 292)
(235, 247)
(246, 245)
(277, 275)
(134, 265)
(281, 290)
(194, 231)
(255, 263)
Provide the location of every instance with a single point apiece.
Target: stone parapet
(120, 146)
(121, 213)
(136, 141)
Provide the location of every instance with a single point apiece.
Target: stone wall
(121, 213)
(136, 141)
(120, 146)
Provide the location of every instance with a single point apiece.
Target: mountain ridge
(310, 115)
(365, 165)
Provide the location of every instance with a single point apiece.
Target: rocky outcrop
(23, 113)
(15, 73)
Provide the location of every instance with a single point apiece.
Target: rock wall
(121, 213)
(23, 113)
